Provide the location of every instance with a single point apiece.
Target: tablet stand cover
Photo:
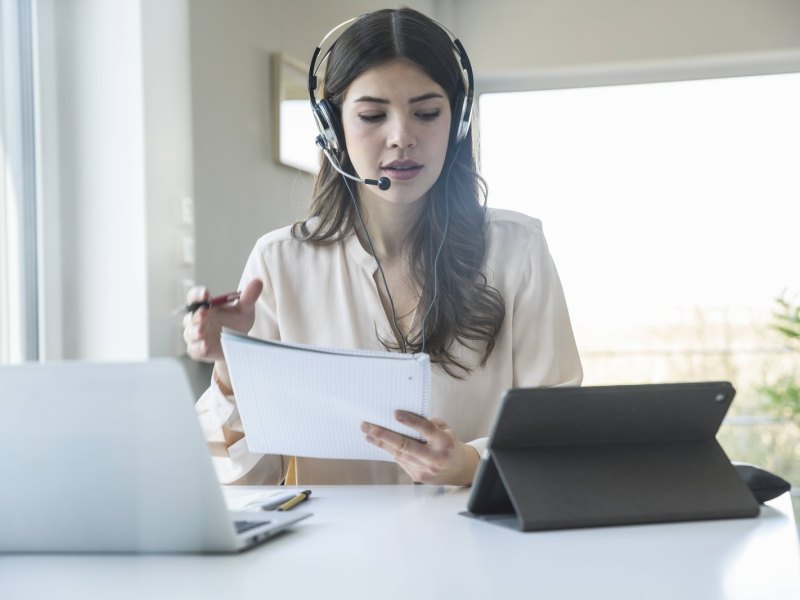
(581, 457)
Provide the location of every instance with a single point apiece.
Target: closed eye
(371, 117)
(429, 115)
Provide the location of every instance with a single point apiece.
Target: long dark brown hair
(465, 308)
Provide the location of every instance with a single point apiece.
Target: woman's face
(396, 124)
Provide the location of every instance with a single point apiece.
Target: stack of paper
(302, 400)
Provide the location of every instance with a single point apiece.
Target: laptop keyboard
(242, 526)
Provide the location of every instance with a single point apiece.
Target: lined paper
(302, 400)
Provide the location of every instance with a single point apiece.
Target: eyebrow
(411, 101)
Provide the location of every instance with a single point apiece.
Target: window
(9, 341)
(18, 273)
(672, 212)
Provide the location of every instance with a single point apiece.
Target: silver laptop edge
(109, 457)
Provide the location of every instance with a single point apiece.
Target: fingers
(436, 432)
(199, 351)
(401, 447)
(251, 293)
(191, 317)
(198, 293)
(202, 328)
(390, 441)
(443, 459)
(201, 345)
(440, 424)
(431, 429)
(195, 327)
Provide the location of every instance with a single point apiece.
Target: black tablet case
(612, 455)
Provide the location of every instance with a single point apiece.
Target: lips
(402, 170)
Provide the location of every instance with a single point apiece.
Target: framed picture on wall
(294, 130)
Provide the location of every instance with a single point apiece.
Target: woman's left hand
(444, 460)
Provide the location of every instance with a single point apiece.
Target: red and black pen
(212, 302)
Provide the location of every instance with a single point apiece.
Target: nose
(401, 134)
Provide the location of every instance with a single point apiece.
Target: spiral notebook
(303, 400)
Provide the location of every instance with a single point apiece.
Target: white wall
(116, 159)
(168, 169)
(97, 194)
(514, 37)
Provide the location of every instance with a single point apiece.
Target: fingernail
(364, 427)
(400, 416)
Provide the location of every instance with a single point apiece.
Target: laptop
(609, 455)
(110, 457)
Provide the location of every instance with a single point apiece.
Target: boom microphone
(383, 183)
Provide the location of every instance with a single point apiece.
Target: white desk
(410, 542)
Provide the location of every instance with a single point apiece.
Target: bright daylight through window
(18, 273)
(672, 212)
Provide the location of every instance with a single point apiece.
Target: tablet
(609, 455)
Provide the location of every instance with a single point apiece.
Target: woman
(419, 266)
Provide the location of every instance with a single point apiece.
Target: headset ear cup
(332, 130)
(459, 127)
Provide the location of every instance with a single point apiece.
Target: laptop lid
(609, 455)
(109, 457)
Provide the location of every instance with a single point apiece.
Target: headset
(331, 133)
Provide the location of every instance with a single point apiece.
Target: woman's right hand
(202, 328)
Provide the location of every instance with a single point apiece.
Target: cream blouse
(327, 295)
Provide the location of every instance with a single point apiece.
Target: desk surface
(410, 542)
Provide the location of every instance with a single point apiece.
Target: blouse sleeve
(218, 414)
(544, 352)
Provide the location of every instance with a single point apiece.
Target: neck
(388, 224)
